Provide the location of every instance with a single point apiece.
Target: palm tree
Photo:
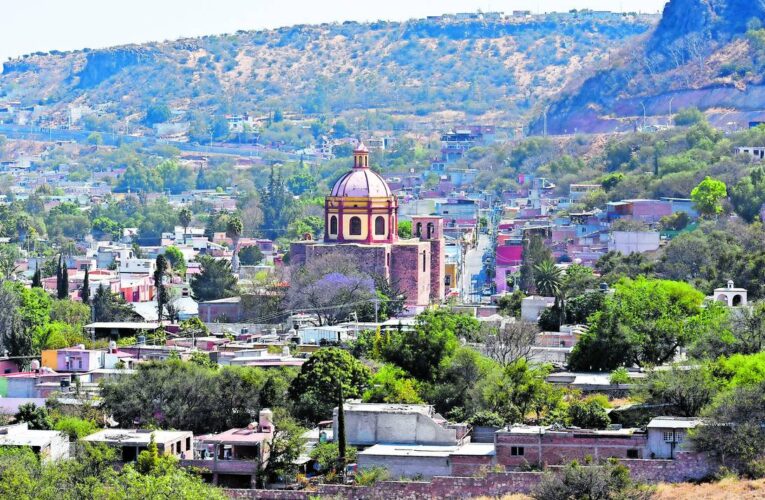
(548, 278)
(234, 230)
(184, 217)
(549, 282)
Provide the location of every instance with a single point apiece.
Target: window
(448, 281)
(669, 437)
(333, 225)
(633, 453)
(355, 226)
(424, 261)
(431, 229)
(380, 225)
(418, 231)
(516, 451)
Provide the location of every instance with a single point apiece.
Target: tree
(510, 304)
(315, 388)
(176, 260)
(707, 195)
(733, 430)
(686, 389)
(215, 281)
(331, 287)
(9, 254)
(327, 456)
(181, 395)
(14, 339)
(285, 448)
(184, 217)
(548, 278)
(510, 342)
(517, 389)
(35, 416)
(610, 481)
(85, 293)
(108, 306)
(234, 231)
(37, 278)
(689, 116)
(534, 252)
(157, 113)
(160, 275)
(588, 414)
(391, 385)
(250, 255)
(422, 353)
(95, 138)
(645, 322)
(405, 229)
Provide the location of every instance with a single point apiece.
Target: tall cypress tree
(37, 278)
(86, 288)
(64, 282)
(341, 452)
(58, 277)
(159, 274)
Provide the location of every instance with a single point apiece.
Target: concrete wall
(628, 242)
(403, 466)
(659, 448)
(369, 428)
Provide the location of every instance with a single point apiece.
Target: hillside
(704, 53)
(491, 68)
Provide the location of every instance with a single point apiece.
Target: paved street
(475, 275)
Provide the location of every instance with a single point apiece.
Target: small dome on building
(361, 182)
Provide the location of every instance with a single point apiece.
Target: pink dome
(361, 182)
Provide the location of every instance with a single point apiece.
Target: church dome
(361, 181)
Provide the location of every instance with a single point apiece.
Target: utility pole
(643, 104)
(547, 108)
(669, 120)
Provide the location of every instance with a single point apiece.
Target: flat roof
(235, 436)
(406, 450)
(135, 436)
(673, 423)
(125, 325)
(28, 437)
(386, 408)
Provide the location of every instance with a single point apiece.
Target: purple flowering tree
(331, 287)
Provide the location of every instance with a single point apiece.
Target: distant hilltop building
(361, 223)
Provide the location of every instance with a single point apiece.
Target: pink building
(361, 223)
(508, 261)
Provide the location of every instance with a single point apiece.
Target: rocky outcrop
(689, 30)
(103, 64)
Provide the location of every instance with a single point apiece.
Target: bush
(605, 482)
(588, 414)
(368, 477)
(689, 116)
(487, 419)
(75, 428)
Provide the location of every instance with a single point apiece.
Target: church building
(361, 223)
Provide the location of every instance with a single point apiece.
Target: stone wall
(408, 274)
(686, 467)
(493, 485)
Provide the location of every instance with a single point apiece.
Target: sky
(42, 25)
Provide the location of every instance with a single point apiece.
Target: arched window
(355, 226)
(418, 232)
(333, 225)
(380, 225)
(431, 230)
